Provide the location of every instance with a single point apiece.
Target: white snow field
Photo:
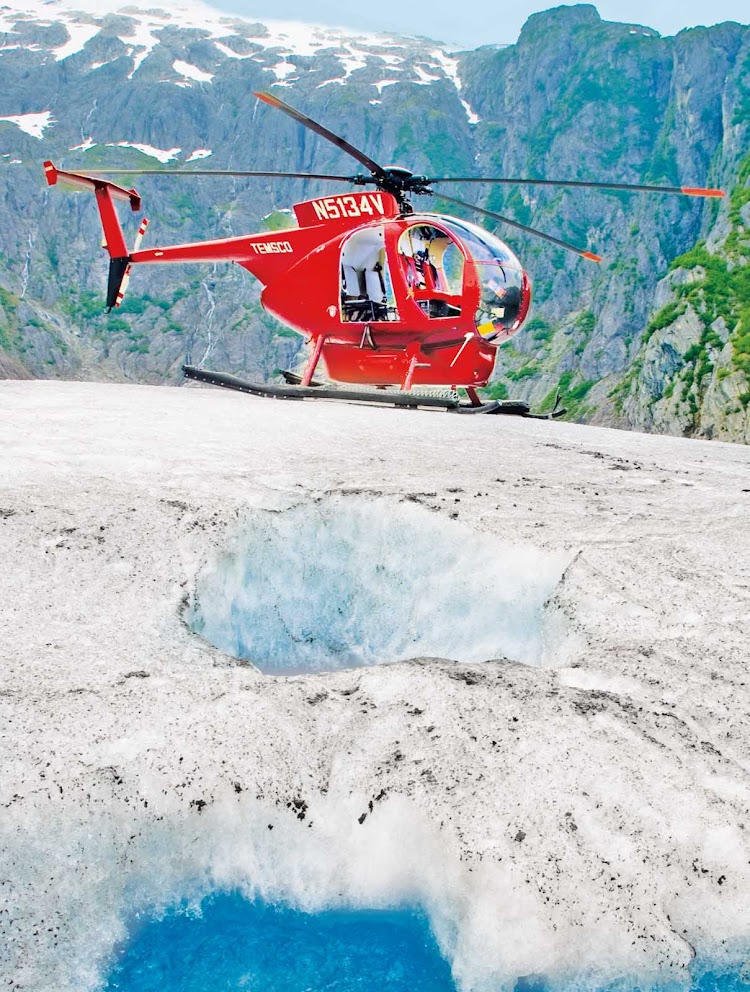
(585, 817)
(273, 44)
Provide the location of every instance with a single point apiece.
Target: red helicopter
(388, 297)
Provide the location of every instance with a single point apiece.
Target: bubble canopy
(499, 273)
(483, 247)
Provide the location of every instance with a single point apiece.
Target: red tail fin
(105, 193)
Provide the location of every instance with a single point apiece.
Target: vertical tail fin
(114, 240)
(105, 193)
(118, 268)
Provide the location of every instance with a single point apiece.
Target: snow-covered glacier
(572, 810)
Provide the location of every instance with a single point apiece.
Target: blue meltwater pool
(234, 944)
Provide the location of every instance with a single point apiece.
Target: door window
(433, 266)
(366, 289)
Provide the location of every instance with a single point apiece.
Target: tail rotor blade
(123, 287)
(139, 236)
(523, 227)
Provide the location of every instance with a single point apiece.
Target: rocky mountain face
(657, 337)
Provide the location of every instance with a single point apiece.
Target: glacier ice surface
(584, 819)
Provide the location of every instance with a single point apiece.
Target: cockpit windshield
(500, 278)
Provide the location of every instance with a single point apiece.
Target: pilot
(411, 255)
(502, 301)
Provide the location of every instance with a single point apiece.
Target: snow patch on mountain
(283, 69)
(143, 42)
(161, 154)
(32, 124)
(381, 84)
(85, 145)
(192, 71)
(424, 78)
(390, 59)
(450, 65)
(79, 35)
(230, 52)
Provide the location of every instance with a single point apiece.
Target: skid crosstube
(407, 400)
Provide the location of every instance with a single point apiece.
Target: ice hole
(229, 942)
(345, 584)
(233, 943)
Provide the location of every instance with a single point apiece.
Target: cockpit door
(366, 290)
(433, 266)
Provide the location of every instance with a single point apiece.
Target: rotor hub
(397, 180)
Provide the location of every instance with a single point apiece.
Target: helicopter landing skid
(410, 401)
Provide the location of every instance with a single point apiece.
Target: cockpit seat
(374, 286)
(363, 296)
(350, 282)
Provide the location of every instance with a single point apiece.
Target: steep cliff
(653, 338)
(693, 368)
(578, 97)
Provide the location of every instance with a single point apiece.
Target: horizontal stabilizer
(105, 194)
(78, 181)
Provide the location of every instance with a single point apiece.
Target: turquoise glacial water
(712, 981)
(235, 945)
(238, 945)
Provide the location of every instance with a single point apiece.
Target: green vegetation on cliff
(720, 287)
(8, 320)
(713, 285)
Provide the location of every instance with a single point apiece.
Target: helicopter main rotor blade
(627, 187)
(221, 172)
(522, 227)
(377, 171)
